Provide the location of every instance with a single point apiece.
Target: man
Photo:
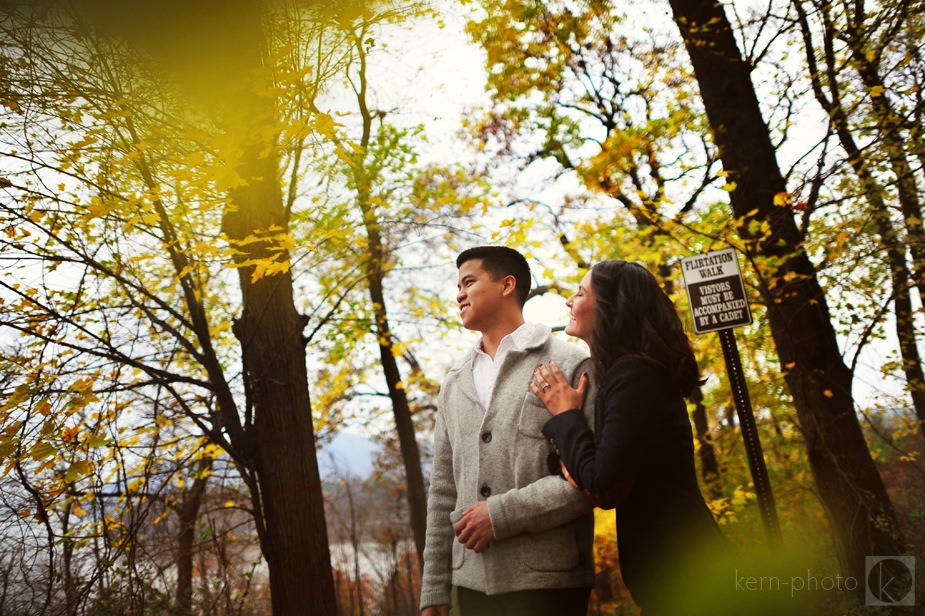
(512, 535)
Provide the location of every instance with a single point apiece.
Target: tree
(849, 485)
(178, 178)
(374, 155)
(398, 213)
(827, 85)
(128, 193)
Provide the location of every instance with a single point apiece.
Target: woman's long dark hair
(636, 318)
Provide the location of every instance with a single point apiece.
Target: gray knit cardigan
(543, 526)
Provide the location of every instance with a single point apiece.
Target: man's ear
(510, 285)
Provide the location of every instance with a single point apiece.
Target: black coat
(643, 451)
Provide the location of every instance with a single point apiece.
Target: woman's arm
(628, 418)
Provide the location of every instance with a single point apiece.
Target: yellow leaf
(186, 270)
(782, 199)
(342, 154)
(729, 186)
(324, 124)
(95, 210)
(876, 91)
(230, 503)
(82, 386)
(88, 140)
(212, 451)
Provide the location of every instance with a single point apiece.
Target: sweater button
(486, 437)
(485, 491)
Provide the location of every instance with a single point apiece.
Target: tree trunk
(709, 467)
(67, 566)
(279, 440)
(188, 514)
(896, 251)
(357, 546)
(376, 257)
(889, 125)
(851, 490)
(892, 141)
(410, 453)
(904, 315)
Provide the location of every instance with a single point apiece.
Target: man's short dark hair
(501, 261)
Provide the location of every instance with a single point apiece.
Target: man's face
(479, 297)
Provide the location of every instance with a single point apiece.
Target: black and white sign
(716, 291)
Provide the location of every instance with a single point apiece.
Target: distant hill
(347, 455)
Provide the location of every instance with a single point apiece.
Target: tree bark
(709, 467)
(850, 487)
(407, 439)
(873, 192)
(404, 424)
(375, 275)
(279, 436)
(889, 125)
(70, 586)
(188, 513)
(281, 439)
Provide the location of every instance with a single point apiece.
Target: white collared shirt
(485, 370)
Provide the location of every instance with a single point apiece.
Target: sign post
(717, 298)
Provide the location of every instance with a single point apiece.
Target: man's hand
(567, 476)
(436, 610)
(474, 528)
(590, 497)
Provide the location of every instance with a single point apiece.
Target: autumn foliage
(227, 233)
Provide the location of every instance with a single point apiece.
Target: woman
(640, 458)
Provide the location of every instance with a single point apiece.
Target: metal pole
(750, 436)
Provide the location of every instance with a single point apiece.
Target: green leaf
(78, 469)
(97, 440)
(42, 450)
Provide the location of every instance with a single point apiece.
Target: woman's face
(582, 308)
